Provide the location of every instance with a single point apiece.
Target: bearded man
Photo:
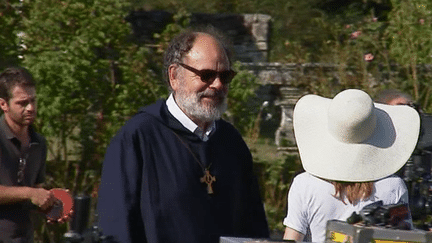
(177, 172)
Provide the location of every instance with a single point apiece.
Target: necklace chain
(207, 178)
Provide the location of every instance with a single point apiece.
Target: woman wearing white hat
(350, 148)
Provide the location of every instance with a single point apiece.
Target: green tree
(73, 49)
(91, 77)
(410, 41)
(10, 22)
(243, 106)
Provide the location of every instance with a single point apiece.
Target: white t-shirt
(311, 203)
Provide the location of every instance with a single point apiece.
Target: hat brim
(382, 154)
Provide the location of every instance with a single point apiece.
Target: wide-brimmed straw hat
(351, 138)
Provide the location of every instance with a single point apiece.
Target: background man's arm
(38, 196)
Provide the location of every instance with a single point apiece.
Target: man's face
(204, 101)
(399, 101)
(21, 108)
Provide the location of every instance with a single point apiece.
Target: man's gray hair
(181, 44)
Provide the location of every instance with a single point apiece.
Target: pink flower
(368, 57)
(99, 115)
(355, 34)
(347, 26)
(421, 21)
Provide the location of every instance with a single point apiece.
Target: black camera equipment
(79, 232)
(417, 172)
(376, 214)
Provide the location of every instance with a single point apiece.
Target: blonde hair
(353, 191)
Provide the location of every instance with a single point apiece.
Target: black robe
(151, 189)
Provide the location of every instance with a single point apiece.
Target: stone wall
(248, 32)
(282, 77)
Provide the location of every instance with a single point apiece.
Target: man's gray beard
(190, 102)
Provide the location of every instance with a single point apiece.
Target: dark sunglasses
(208, 75)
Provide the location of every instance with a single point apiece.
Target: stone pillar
(259, 26)
(284, 137)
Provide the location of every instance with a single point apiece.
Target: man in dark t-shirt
(22, 157)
